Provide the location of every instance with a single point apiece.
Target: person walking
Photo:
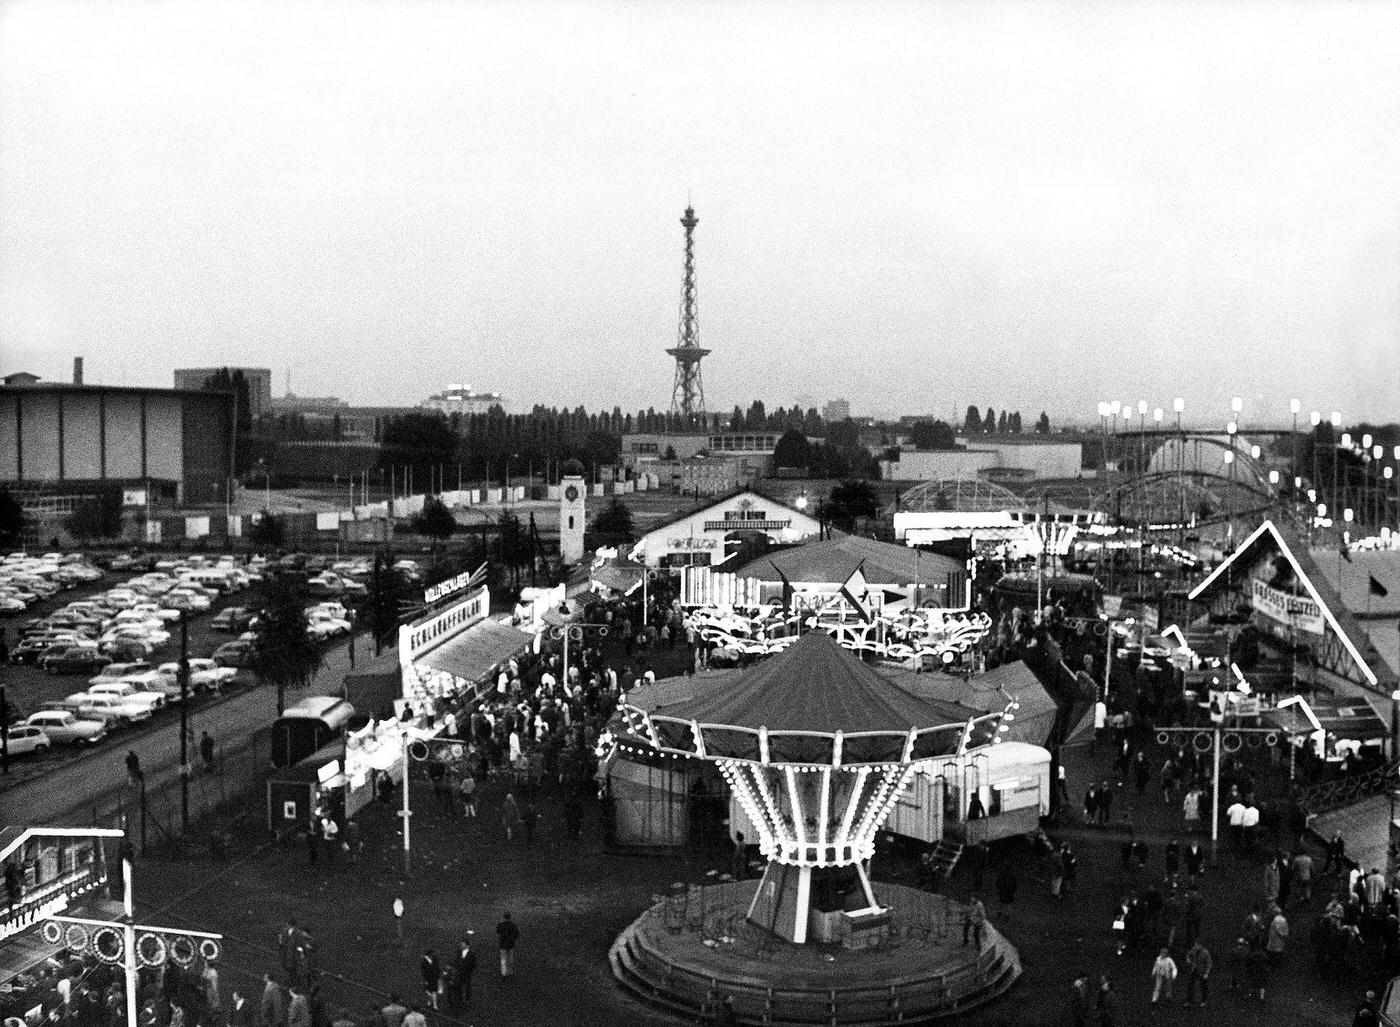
(510, 816)
(134, 772)
(1198, 967)
(463, 968)
(1234, 813)
(507, 936)
(1271, 881)
(1191, 808)
(206, 750)
(1302, 874)
(467, 787)
(431, 971)
(1163, 975)
(1110, 1013)
(1070, 864)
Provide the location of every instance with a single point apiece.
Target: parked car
(117, 671)
(63, 727)
(108, 707)
(234, 654)
(205, 674)
(130, 691)
(75, 659)
(231, 618)
(23, 739)
(323, 626)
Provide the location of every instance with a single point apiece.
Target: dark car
(33, 647)
(234, 654)
(231, 618)
(74, 659)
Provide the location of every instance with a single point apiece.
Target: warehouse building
(59, 439)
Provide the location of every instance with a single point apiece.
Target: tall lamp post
(1142, 440)
(1336, 424)
(1295, 407)
(1179, 405)
(184, 721)
(1316, 418)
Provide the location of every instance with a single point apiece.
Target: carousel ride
(816, 747)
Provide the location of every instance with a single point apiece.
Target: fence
(151, 814)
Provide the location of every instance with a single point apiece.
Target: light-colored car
(117, 671)
(204, 673)
(63, 727)
(23, 739)
(127, 691)
(109, 707)
(323, 626)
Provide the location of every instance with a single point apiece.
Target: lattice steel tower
(688, 393)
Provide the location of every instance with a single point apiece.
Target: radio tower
(688, 393)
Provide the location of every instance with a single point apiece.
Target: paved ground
(571, 899)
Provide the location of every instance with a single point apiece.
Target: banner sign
(1298, 612)
(443, 589)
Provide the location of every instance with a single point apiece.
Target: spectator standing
(507, 936)
(1276, 940)
(272, 1008)
(1302, 874)
(1251, 825)
(1198, 967)
(393, 1014)
(974, 921)
(1105, 803)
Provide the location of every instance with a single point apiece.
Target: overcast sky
(914, 206)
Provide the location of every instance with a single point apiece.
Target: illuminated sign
(693, 545)
(462, 581)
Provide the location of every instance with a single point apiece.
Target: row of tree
(1006, 423)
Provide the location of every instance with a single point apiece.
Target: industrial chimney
(77, 370)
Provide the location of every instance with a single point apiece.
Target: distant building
(747, 455)
(325, 406)
(460, 399)
(61, 440)
(1009, 457)
(836, 410)
(259, 381)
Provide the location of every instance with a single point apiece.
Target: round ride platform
(696, 946)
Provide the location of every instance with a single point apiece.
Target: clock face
(571, 493)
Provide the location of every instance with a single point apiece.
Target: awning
(475, 653)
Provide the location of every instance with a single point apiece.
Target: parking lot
(93, 603)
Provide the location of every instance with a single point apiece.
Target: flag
(855, 590)
(787, 587)
(1377, 589)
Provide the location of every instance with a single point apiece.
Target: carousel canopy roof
(834, 559)
(815, 685)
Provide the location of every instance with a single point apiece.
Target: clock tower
(572, 492)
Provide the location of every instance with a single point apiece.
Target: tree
(930, 435)
(390, 592)
(283, 652)
(1042, 426)
(1014, 423)
(99, 516)
(268, 532)
(989, 423)
(757, 417)
(435, 520)
(515, 545)
(972, 421)
(849, 500)
(613, 524)
(792, 450)
(11, 519)
(1001, 423)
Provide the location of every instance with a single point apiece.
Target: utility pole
(184, 722)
